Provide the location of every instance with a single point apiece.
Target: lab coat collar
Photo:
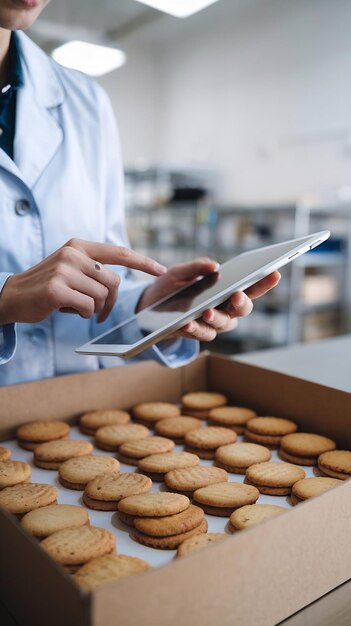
(38, 134)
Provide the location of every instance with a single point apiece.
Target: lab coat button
(22, 207)
(38, 336)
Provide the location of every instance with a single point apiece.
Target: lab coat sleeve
(7, 331)
(130, 290)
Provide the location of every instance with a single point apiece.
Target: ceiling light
(89, 58)
(179, 8)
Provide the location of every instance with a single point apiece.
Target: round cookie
(170, 524)
(234, 417)
(274, 478)
(304, 448)
(253, 514)
(31, 434)
(197, 414)
(152, 412)
(208, 439)
(21, 499)
(176, 427)
(156, 465)
(48, 519)
(72, 547)
(336, 463)
(155, 504)
(203, 400)
(223, 498)
(51, 454)
(104, 493)
(171, 542)
(196, 542)
(111, 437)
(310, 487)
(14, 473)
(107, 569)
(237, 457)
(268, 430)
(187, 480)
(131, 452)
(76, 473)
(91, 421)
(5, 454)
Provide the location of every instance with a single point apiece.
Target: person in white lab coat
(61, 190)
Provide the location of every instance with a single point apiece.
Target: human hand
(71, 280)
(212, 321)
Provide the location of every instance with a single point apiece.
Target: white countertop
(326, 362)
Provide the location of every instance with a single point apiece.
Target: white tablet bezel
(299, 247)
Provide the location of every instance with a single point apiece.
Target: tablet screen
(195, 295)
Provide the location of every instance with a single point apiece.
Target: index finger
(108, 254)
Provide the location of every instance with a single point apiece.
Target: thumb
(193, 269)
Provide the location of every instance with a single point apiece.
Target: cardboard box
(257, 577)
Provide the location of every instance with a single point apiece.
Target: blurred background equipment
(235, 126)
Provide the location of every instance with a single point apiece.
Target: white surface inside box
(109, 519)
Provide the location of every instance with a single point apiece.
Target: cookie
(152, 412)
(172, 542)
(76, 473)
(31, 434)
(234, 417)
(336, 464)
(14, 473)
(156, 465)
(196, 414)
(51, 454)
(238, 457)
(155, 504)
(72, 547)
(128, 520)
(197, 542)
(310, 487)
(176, 427)
(21, 499)
(208, 439)
(203, 400)
(268, 430)
(90, 422)
(131, 452)
(223, 498)
(304, 448)
(253, 514)
(107, 569)
(48, 519)
(170, 524)
(5, 454)
(274, 478)
(187, 480)
(104, 493)
(111, 437)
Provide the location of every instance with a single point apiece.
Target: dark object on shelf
(186, 194)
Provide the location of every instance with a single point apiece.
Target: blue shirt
(65, 180)
(13, 82)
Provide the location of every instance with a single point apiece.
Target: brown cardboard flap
(33, 588)
(293, 558)
(314, 407)
(66, 397)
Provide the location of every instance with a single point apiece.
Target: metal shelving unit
(176, 232)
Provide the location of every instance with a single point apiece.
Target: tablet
(163, 318)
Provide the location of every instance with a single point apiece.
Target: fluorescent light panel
(89, 58)
(178, 8)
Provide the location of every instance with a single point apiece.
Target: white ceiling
(114, 20)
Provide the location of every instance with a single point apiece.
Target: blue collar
(15, 74)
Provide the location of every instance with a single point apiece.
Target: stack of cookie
(205, 441)
(162, 520)
(200, 403)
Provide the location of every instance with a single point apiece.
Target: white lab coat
(66, 181)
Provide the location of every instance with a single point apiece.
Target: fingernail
(162, 269)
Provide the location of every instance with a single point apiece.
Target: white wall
(259, 90)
